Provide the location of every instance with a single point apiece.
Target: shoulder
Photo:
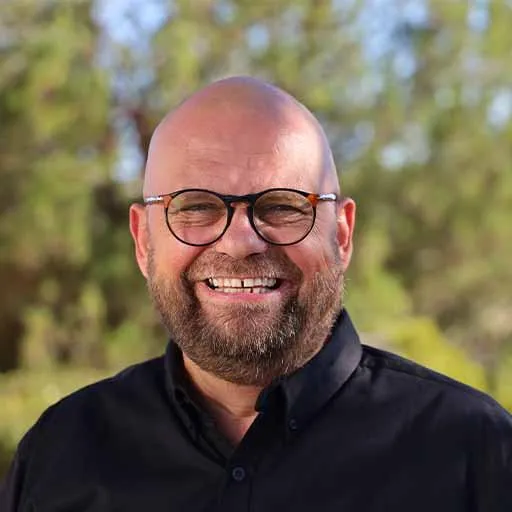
(450, 417)
(423, 385)
(139, 388)
(136, 381)
(72, 433)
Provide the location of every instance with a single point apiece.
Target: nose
(240, 240)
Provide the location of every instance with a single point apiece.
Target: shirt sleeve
(12, 488)
(15, 490)
(493, 489)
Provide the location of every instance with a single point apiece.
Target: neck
(232, 406)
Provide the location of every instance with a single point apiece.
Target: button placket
(238, 473)
(293, 425)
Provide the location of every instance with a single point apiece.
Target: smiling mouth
(246, 285)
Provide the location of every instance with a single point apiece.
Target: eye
(281, 209)
(199, 207)
(285, 208)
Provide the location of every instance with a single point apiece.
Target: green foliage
(418, 124)
(421, 340)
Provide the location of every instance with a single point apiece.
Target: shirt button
(238, 474)
(293, 424)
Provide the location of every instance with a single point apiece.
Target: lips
(242, 285)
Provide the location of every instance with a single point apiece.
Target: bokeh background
(416, 98)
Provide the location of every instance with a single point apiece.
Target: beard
(246, 343)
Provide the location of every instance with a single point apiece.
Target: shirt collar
(305, 391)
(308, 389)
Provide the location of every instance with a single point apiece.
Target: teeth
(254, 284)
(249, 290)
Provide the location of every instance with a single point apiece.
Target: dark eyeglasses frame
(228, 201)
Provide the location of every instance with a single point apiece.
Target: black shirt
(356, 429)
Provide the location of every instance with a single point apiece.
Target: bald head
(240, 137)
(239, 129)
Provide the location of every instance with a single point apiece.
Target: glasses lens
(196, 217)
(283, 217)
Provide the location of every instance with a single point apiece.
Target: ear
(140, 235)
(345, 229)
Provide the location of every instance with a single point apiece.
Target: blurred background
(416, 98)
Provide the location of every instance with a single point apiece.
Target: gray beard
(249, 344)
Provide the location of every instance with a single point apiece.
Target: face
(243, 309)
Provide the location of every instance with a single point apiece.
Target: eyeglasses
(280, 216)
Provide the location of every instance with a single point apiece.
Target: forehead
(282, 162)
(238, 159)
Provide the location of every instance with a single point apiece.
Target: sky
(126, 20)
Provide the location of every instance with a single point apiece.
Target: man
(265, 399)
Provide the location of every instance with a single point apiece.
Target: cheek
(172, 257)
(315, 253)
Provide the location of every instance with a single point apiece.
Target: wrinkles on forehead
(239, 130)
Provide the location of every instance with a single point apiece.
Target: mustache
(277, 266)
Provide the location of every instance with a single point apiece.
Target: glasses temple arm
(327, 197)
(153, 200)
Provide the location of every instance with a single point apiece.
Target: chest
(363, 467)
